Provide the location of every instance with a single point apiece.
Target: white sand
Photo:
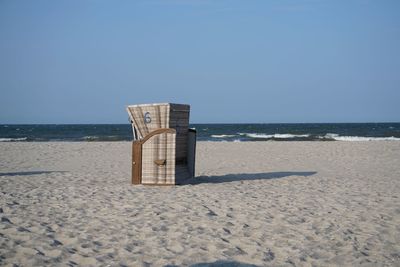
(261, 203)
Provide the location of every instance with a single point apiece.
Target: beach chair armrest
(158, 131)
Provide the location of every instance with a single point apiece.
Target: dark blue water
(209, 132)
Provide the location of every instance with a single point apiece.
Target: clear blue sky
(233, 61)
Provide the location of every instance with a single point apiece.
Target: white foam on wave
(254, 135)
(222, 135)
(101, 138)
(13, 139)
(290, 135)
(282, 136)
(90, 137)
(359, 138)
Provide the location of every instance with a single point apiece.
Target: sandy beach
(251, 204)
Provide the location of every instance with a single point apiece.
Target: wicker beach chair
(163, 149)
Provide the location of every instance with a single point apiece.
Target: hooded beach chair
(163, 148)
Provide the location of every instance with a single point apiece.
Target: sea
(208, 132)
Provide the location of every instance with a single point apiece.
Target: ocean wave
(222, 135)
(278, 136)
(91, 138)
(358, 138)
(102, 138)
(13, 139)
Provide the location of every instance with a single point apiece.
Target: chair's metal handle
(160, 162)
